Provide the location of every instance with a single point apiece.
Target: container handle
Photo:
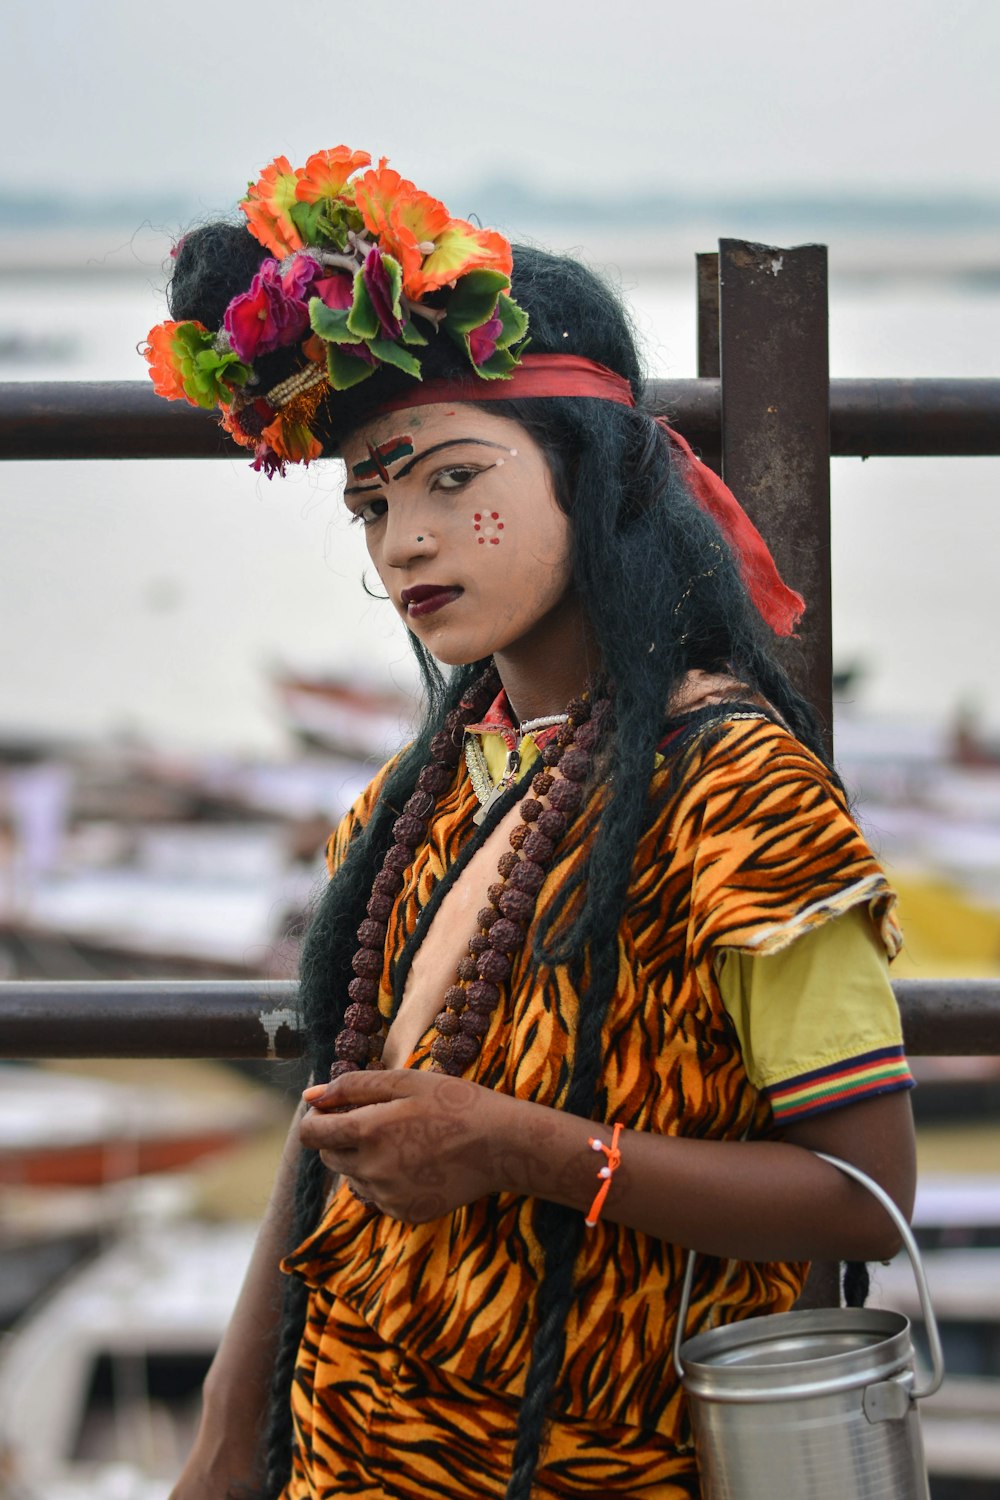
(906, 1235)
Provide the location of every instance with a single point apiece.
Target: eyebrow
(401, 473)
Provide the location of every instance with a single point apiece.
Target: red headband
(569, 375)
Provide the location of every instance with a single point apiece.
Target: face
(462, 524)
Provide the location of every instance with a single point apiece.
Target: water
(153, 598)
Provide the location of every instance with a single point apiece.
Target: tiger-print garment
(753, 839)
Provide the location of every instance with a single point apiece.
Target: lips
(427, 598)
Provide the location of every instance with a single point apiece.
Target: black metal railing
(762, 409)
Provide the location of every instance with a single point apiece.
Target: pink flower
(380, 290)
(337, 291)
(272, 313)
(483, 340)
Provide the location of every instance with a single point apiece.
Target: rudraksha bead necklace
(502, 925)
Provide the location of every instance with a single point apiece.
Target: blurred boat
(100, 1387)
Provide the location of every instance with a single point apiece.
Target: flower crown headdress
(354, 261)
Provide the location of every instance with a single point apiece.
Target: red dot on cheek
(494, 541)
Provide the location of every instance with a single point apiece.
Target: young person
(603, 958)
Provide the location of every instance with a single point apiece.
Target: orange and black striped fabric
(753, 847)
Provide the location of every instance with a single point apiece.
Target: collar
(499, 719)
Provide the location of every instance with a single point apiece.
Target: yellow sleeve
(817, 1021)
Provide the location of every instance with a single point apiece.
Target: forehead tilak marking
(380, 456)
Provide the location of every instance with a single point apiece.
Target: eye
(455, 477)
(368, 514)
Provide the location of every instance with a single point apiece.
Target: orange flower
(326, 172)
(407, 222)
(267, 205)
(161, 354)
(460, 248)
(292, 441)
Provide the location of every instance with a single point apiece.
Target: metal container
(817, 1405)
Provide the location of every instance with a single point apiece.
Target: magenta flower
(337, 291)
(483, 340)
(267, 317)
(380, 290)
(300, 277)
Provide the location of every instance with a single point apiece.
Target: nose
(407, 538)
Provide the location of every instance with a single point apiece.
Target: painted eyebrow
(356, 489)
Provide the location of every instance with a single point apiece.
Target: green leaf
(331, 323)
(362, 319)
(514, 320)
(499, 364)
(308, 219)
(394, 272)
(391, 354)
(411, 334)
(472, 302)
(346, 370)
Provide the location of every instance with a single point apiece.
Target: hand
(417, 1145)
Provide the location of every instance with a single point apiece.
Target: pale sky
(583, 95)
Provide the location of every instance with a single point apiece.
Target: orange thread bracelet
(605, 1174)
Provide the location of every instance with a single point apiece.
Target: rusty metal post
(709, 451)
(776, 428)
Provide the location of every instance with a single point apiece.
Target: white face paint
(465, 531)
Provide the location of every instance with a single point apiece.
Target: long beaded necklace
(502, 925)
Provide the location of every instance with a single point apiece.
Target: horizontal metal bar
(126, 419)
(237, 1018)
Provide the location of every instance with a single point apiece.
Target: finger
(379, 1086)
(322, 1130)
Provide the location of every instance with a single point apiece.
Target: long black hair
(663, 596)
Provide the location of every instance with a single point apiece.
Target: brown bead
(380, 906)
(371, 934)
(454, 724)
(375, 1045)
(537, 847)
(363, 991)
(387, 882)
(352, 1046)
(441, 1050)
(553, 753)
(578, 710)
(367, 963)
(566, 733)
(478, 943)
(419, 804)
(452, 1068)
(482, 996)
(364, 1018)
(517, 905)
(530, 809)
(375, 1065)
(496, 890)
(493, 966)
(575, 765)
(486, 916)
(587, 736)
(340, 1068)
(566, 796)
(409, 830)
(542, 783)
(447, 1022)
(433, 779)
(467, 968)
(518, 836)
(507, 863)
(444, 749)
(552, 823)
(474, 1023)
(528, 877)
(505, 936)
(455, 996)
(464, 1049)
(399, 858)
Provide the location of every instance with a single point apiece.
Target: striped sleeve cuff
(880, 1072)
